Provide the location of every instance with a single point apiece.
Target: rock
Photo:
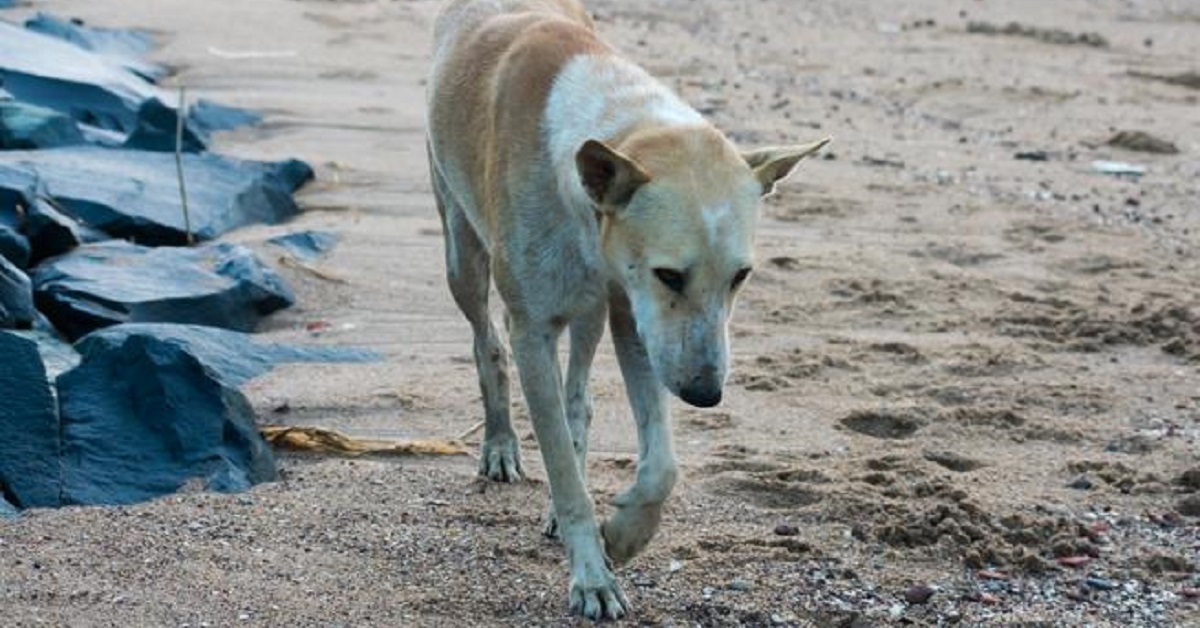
(97, 285)
(740, 585)
(1189, 506)
(124, 47)
(1189, 479)
(1143, 142)
(29, 425)
(918, 594)
(1101, 584)
(786, 529)
(7, 510)
(16, 298)
(953, 461)
(134, 194)
(96, 77)
(52, 233)
(24, 126)
(306, 245)
(211, 117)
(143, 417)
(234, 357)
(16, 186)
(1081, 483)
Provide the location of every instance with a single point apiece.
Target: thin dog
(584, 188)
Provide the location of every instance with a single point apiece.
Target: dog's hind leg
(586, 331)
(639, 508)
(468, 272)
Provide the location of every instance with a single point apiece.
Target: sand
(940, 341)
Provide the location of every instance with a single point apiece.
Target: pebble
(740, 585)
(991, 574)
(918, 594)
(1102, 584)
(1082, 483)
(786, 529)
(1074, 562)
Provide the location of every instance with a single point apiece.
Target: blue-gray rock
(15, 186)
(125, 47)
(52, 233)
(306, 245)
(16, 297)
(24, 126)
(235, 358)
(93, 76)
(134, 195)
(143, 417)
(211, 117)
(29, 426)
(7, 510)
(102, 284)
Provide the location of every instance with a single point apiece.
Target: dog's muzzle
(704, 390)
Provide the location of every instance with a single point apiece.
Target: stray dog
(582, 187)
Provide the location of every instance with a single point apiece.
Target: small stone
(1082, 483)
(1102, 584)
(674, 566)
(786, 529)
(1074, 562)
(991, 574)
(739, 584)
(1190, 593)
(918, 594)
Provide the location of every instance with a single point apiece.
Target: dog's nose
(704, 389)
(701, 396)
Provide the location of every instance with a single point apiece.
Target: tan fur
(581, 188)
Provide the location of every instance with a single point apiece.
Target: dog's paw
(596, 596)
(629, 530)
(500, 459)
(550, 526)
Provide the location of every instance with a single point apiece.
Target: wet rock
(24, 126)
(29, 425)
(16, 297)
(1142, 142)
(134, 194)
(235, 358)
(97, 285)
(306, 245)
(143, 417)
(124, 47)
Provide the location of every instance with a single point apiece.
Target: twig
(474, 428)
(180, 115)
(291, 262)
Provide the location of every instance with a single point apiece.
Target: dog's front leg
(594, 591)
(639, 508)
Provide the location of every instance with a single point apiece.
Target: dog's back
(494, 64)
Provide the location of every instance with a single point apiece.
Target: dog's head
(680, 207)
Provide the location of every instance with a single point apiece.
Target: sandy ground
(940, 339)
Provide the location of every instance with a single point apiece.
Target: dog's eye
(740, 278)
(671, 278)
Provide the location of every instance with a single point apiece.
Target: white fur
(598, 97)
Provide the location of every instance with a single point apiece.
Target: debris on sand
(322, 440)
(1046, 35)
(1118, 168)
(1142, 142)
(1189, 79)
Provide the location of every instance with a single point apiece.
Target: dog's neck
(603, 97)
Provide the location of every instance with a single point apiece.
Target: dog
(582, 188)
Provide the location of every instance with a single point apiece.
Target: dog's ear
(772, 165)
(609, 177)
